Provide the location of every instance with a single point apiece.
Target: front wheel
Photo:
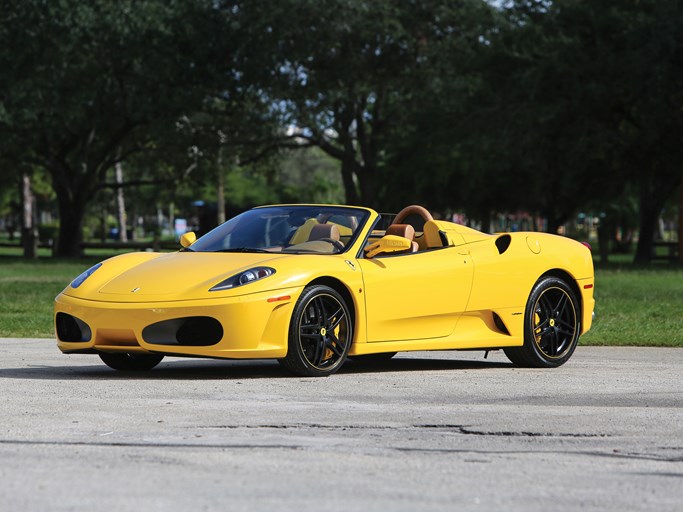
(551, 326)
(320, 333)
(131, 362)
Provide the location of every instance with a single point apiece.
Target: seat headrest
(324, 231)
(404, 230)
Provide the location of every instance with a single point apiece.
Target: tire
(551, 326)
(373, 358)
(320, 333)
(131, 362)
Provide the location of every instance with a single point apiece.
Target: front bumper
(252, 326)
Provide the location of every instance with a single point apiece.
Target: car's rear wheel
(131, 362)
(320, 333)
(551, 326)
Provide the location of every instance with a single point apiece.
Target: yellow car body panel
(468, 293)
(415, 296)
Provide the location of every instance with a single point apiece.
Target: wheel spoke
(552, 346)
(336, 323)
(545, 331)
(331, 318)
(566, 325)
(546, 306)
(542, 324)
(336, 339)
(321, 310)
(566, 332)
(319, 353)
(561, 304)
(309, 328)
(334, 346)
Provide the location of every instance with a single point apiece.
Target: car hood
(169, 277)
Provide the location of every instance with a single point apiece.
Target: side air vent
(500, 324)
(503, 242)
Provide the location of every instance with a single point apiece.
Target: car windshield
(287, 229)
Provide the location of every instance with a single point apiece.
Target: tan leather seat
(434, 237)
(320, 231)
(404, 230)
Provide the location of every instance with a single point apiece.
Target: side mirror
(388, 244)
(188, 239)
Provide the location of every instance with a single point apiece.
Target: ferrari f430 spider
(312, 285)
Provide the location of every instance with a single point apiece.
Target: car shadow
(418, 364)
(211, 369)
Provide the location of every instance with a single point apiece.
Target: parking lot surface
(424, 431)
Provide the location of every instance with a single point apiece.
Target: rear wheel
(320, 333)
(131, 362)
(551, 326)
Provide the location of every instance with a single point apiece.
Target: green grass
(27, 291)
(638, 306)
(635, 306)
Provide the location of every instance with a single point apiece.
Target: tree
(87, 84)
(575, 102)
(348, 81)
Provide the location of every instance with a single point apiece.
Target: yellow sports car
(311, 285)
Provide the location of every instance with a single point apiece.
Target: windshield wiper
(244, 249)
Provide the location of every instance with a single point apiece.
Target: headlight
(246, 277)
(85, 275)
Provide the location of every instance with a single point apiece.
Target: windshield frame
(208, 242)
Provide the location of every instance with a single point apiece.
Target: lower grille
(71, 329)
(195, 331)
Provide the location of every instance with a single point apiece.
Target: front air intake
(194, 331)
(71, 329)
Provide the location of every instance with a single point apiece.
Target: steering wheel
(410, 210)
(334, 242)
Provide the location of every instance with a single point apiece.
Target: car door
(416, 295)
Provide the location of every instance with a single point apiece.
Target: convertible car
(313, 285)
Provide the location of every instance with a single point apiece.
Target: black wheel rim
(324, 332)
(554, 323)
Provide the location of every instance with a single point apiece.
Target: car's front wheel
(320, 333)
(551, 326)
(131, 362)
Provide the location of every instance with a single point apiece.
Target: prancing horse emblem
(135, 289)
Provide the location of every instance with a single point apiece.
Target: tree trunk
(350, 191)
(649, 213)
(553, 224)
(71, 215)
(120, 204)
(29, 236)
(367, 180)
(220, 188)
(485, 218)
(604, 235)
(680, 223)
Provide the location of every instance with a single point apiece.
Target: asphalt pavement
(424, 431)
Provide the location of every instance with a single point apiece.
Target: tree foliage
(546, 107)
(88, 83)
(349, 81)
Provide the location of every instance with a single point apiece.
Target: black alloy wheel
(551, 326)
(131, 362)
(320, 333)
